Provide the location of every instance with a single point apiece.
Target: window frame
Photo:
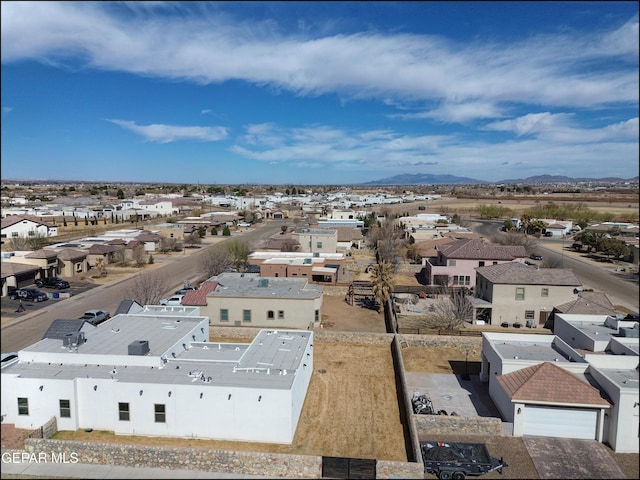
(23, 406)
(224, 314)
(520, 293)
(246, 316)
(65, 411)
(160, 412)
(544, 292)
(124, 412)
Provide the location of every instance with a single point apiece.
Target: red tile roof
(549, 383)
(196, 298)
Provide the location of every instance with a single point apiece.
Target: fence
(432, 331)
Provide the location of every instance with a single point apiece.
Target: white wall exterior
(251, 404)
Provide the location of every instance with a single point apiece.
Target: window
(319, 244)
(452, 263)
(455, 279)
(467, 280)
(529, 314)
(65, 409)
(545, 292)
(495, 263)
(123, 412)
(316, 316)
(270, 315)
(160, 412)
(14, 234)
(23, 406)
(224, 315)
(481, 264)
(246, 315)
(519, 293)
(280, 314)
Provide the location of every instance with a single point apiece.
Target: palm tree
(382, 282)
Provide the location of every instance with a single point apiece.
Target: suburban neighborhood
(555, 359)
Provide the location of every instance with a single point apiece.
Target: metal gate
(342, 467)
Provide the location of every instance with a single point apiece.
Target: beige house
(72, 262)
(316, 240)
(246, 299)
(521, 294)
(45, 260)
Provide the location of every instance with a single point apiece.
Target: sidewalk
(85, 470)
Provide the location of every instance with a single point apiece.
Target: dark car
(52, 282)
(535, 256)
(32, 294)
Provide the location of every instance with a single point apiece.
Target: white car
(172, 301)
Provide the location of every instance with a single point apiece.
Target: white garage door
(560, 422)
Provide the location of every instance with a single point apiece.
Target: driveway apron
(571, 458)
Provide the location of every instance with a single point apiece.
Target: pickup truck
(52, 282)
(32, 294)
(95, 317)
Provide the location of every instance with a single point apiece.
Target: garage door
(560, 422)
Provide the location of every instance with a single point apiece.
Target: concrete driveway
(468, 398)
(571, 458)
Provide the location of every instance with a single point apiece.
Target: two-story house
(455, 264)
(517, 293)
(316, 240)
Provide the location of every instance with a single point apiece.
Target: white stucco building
(578, 388)
(155, 373)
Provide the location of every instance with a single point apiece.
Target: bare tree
(452, 311)
(387, 241)
(290, 245)
(515, 238)
(31, 242)
(169, 244)
(217, 260)
(148, 288)
(139, 256)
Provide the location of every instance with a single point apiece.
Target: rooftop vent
(73, 339)
(139, 347)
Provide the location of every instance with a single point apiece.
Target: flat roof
(271, 361)
(113, 336)
(526, 347)
(625, 379)
(254, 286)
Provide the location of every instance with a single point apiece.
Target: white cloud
(7, 109)
(469, 80)
(549, 146)
(160, 133)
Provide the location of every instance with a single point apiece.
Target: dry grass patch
(439, 359)
(351, 410)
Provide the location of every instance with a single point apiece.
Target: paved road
(30, 327)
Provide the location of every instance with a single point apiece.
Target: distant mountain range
(429, 179)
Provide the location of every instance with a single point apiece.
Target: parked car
(9, 358)
(172, 301)
(95, 317)
(535, 256)
(185, 289)
(32, 294)
(52, 282)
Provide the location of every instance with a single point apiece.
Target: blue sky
(318, 92)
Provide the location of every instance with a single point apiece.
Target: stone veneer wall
(434, 425)
(248, 463)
